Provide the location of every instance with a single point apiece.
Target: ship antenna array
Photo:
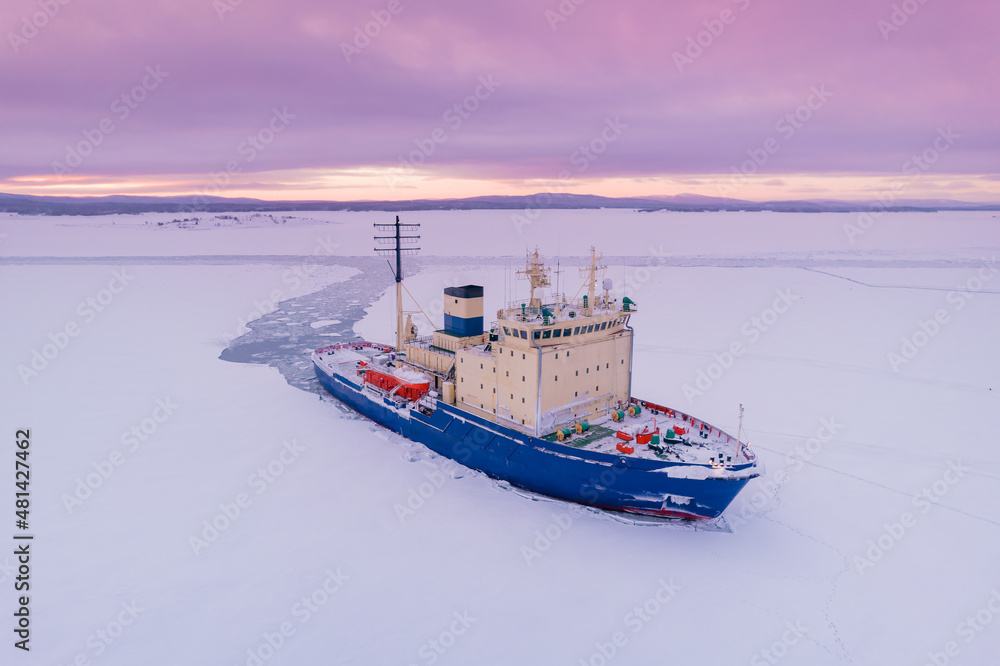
(398, 244)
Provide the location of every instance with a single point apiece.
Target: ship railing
(427, 343)
(356, 346)
(479, 351)
(742, 448)
(514, 312)
(426, 369)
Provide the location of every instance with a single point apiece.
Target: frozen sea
(196, 498)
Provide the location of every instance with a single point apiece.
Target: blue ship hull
(602, 480)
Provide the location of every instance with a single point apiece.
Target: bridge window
(535, 335)
(556, 333)
(604, 325)
(546, 334)
(567, 331)
(524, 335)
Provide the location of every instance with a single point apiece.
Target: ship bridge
(552, 362)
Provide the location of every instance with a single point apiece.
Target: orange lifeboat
(409, 384)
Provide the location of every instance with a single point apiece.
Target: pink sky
(596, 103)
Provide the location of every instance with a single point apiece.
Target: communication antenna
(396, 243)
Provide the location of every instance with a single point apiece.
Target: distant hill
(120, 204)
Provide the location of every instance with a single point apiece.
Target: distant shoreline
(123, 205)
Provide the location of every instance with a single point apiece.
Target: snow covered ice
(189, 509)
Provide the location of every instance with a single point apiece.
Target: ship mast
(397, 241)
(537, 274)
(591, 273)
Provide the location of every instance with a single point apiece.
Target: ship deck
(694, 441)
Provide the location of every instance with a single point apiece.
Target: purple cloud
(371, 100)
